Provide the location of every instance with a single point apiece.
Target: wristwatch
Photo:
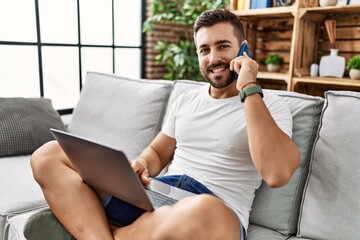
(250, 91)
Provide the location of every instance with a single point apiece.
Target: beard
(217, 83)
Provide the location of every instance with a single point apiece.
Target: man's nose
(214, 57)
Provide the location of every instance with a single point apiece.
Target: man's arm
(274, 154)
(155, 157)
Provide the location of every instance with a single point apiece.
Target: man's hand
(246, 68)
(154, 158)
(139, 166)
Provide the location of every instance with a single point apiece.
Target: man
(227, 145)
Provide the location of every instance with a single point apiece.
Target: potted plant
(180, 57)
(274, 62)
(354, 67)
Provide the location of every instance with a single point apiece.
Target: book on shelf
(261, 4)
(247, 4)
(233, 4)
(242, 4)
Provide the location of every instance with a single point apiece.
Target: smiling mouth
(217, 69)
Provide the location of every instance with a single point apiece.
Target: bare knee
(45, 159)
(215, 220)
(204, 216)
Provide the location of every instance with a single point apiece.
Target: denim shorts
(122, 213)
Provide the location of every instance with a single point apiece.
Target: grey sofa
(320, 202)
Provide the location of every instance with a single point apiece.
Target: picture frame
(282, 3)
(353, 2)
(342, 2)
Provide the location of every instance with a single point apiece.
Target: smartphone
(243, 48)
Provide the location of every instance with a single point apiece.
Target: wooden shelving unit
(274, 76)
(334, 9)
(278, 12)
(270, 30)
(330, 81)
(297, 33)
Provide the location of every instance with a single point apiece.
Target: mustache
(218, 64)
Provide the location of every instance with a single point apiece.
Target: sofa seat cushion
(19, 191)
(261, 233)
(179, 87)
(278, 208)
(331, 206)
(119, 112)
(25, 124)
(300, 238)
(14, 228)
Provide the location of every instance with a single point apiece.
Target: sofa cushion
(180, 86)
(298, 238)
(278, 208)
(14, 229)
(260, 233)
(25, 124)
(331, 206)
(19, 191)
(120, 112)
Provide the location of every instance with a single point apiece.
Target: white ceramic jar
(273, 67)
(314, 70)
(354, 74)
(332, 65)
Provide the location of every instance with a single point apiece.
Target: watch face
(242, 96)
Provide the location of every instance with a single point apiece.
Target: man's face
(216, 47)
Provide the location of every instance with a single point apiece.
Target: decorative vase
(332, 65)
(354, 74)
(273, 67)
(324, 3)
(314, 70)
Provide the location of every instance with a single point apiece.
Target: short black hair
(211, 17)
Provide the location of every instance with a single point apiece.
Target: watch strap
(250, 91)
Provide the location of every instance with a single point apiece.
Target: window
(48, 46)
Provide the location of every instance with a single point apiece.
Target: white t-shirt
(212, 145)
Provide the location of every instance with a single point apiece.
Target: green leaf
(180, 58)
(159, 58)
(354, 63)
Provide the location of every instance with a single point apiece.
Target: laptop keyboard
(158, 199)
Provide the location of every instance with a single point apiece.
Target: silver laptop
(107, 169)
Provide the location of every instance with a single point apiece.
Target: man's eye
(223, 46)
(203, 51)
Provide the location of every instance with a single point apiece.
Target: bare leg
(75, 204)
(79, 208)
(202, 217)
